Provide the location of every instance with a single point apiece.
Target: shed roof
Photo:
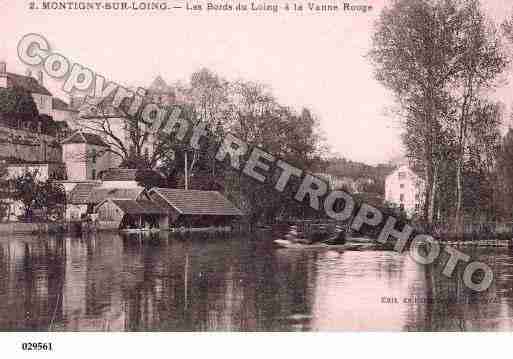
(129, 206)
(80, 193)
(198, 202)
(100, 194)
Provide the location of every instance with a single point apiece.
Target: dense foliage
(45, 196)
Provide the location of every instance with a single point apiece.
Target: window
(401, 175)
(93, 174)
(401, 185)
(401, 197)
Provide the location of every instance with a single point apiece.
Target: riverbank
(48, 227)
(24, 227)
(86, 227)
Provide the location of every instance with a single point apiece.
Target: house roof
(85, 137)
(126, 174)
(95, 110)
(80, 193)
(119, 174)
(406, 168)
(58, 104)
(100, 194)
(27, 83)
(129, 206)
(198, 202)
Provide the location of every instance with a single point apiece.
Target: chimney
(40, 77)
(3, 67)
(28, 73)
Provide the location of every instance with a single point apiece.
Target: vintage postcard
(256, 166)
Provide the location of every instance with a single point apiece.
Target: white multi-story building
(405, 188)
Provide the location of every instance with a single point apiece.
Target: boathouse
(133, 214)
(194, 208)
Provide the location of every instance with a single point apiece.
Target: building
(78, 202)
(94, 116)
(33, 138)
(129, 213)
(43, 171)
(65, 117)
(405, 188)
(42, 97)
(193, 208)
(84, 197)
(46, 103)
(86, 155)
(27, 136)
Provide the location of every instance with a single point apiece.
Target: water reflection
(107, 282)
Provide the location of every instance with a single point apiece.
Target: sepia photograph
(266, 166)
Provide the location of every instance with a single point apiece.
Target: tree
(481, 60)
(259, 120)
(437, 57)
(27, 191)
(34, 194)
(505, 176)
(413, 53)
(129, 135)
(50, 199)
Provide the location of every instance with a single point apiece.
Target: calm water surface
(107, 282)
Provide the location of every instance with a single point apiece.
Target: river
(228, 283)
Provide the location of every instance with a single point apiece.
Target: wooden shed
(133, 214)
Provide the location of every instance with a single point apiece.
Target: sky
(314, 60)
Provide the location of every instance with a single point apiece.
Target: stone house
(86, 155)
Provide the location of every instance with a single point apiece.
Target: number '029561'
(36, 346)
